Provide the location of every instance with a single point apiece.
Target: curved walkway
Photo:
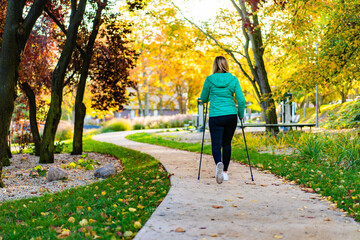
(238, 209)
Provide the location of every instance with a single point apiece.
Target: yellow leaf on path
(234, 205)
(309, 190)
(327, 219)
(229, 200)
(216, 206)
(254, 200)
(214, 235)
(278, 236)
(179, 229)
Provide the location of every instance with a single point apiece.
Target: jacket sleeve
(205, 91)
(240, 99)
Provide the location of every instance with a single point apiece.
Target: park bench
(295, 125)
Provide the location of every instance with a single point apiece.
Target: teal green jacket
(219, 89)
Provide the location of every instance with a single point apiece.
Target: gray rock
(106, 171)
(55, 173)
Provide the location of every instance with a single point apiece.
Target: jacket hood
(221, 80)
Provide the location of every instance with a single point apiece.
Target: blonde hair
(220, 65)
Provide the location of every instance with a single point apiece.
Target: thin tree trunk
(16, 33)
(141, 110)
(32, 113)
(80, 109)
(343, 97)
(57, 83)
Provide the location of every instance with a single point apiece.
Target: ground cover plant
(335, 116)
(328, 164)
(115, 208)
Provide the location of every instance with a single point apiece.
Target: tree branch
(62, 28)
(34, 13)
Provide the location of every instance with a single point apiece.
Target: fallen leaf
(263, 185)
(91, 220)
(64, 234)
(179, 229)
(254, 200)
(327, 219)
(228, 200)
(309, 190)
(83, 222)
(214, 235)
(278, 236)
(250, 183)
(103, 215)
(128, 234)
(71, 220)
(132, 209)
(137, 224)
(234, 205)
(216, 206)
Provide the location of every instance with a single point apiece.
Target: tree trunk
(80, 109)
(343, 97)
(32, 113)
(267, 101)
(57, 84)
(80, 112)
(16, 33)
(141, 110)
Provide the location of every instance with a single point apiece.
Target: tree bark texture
(57, 83)
(80, 109)
(16, 33)
(32, 113)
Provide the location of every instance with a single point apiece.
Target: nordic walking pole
(202, 144)
(242, 127)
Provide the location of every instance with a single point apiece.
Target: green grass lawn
(329, 164)
(114, 208)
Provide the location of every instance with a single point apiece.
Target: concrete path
(269, 208)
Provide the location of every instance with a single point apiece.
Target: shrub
(138, 126)
(161, 121)
(59, 147)
(116, 125)
(64, 134)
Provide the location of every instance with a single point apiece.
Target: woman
(219, 88)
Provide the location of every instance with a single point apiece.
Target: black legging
(222, 130)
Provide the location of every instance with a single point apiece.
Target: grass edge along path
(341, 186)
(115, 208)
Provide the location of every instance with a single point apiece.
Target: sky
(198, 10)
(202, 10)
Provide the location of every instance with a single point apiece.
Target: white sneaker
(226, 176)
(219, 172)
